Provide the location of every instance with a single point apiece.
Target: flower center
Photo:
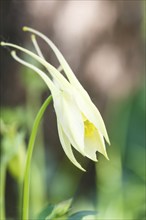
(89, 128)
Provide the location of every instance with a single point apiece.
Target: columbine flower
(79, 122)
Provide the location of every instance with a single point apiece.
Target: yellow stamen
(89, 128)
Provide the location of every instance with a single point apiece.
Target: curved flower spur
(79, 122)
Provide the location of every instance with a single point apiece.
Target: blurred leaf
(81, 214)
(13, 149)
(45, 212)
(14, 115)
(58, 211)
(122, 179)
(17, 163)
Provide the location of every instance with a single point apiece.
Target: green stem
(2, 190)
(25, 208)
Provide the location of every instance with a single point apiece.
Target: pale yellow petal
(94, 144)
(67, 147)
(91, 112)
(70, 119)
(90, 148)
(100, 143)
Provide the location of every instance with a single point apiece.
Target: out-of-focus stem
(2, 189)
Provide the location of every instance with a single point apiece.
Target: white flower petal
(67, 147)
(91, 112)
(100, 143)
(70, 119)
(94, 144)
(90, 148)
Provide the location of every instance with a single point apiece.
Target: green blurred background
(103, 41)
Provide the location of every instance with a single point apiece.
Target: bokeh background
(103, 41)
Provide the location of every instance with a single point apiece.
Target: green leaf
(57, 211)
(45, 212)
(79, 215)
(60, 210)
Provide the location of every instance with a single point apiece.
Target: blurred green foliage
(121, 181)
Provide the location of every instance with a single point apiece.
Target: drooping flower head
(79, 122)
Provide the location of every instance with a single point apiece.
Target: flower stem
(2, 190)
(25, 208)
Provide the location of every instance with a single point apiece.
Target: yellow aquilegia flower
(79, 122)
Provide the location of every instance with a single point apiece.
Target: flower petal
(70, 119)
(91, 112)
(67, 147)
(100, 143)
(94, 144)
(90, 148)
